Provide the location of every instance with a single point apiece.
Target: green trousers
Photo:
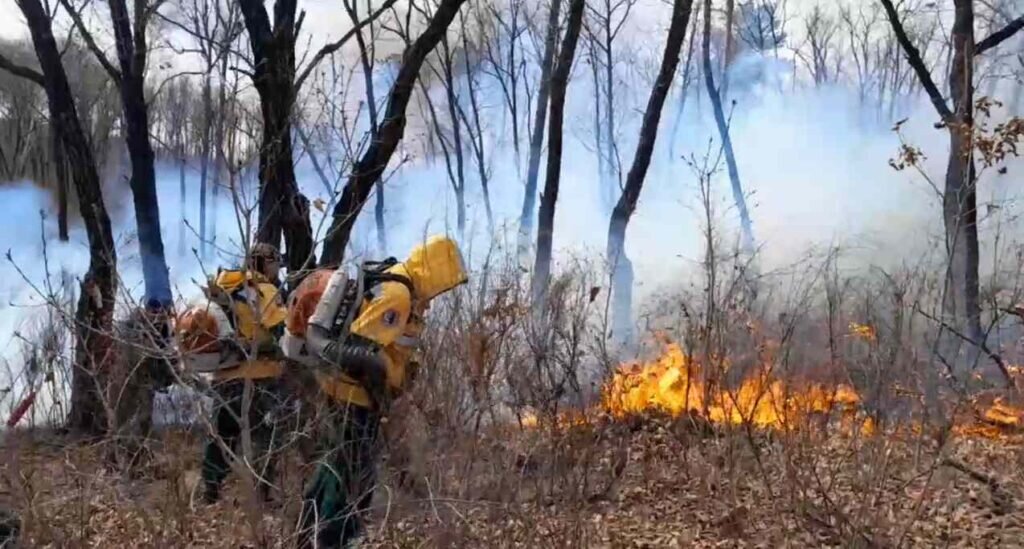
(338, 497)
(265, 431)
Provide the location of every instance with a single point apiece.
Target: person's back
(361, 368)
(247, 313)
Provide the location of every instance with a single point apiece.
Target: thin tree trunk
(370, 167)
(960, 197)
(746, 226)
(618, 261)
(365, 59)
(476, 136)
(182, 249)
(537, 136)
(204, 164)
(684, 89)
(61, 169)
(132, 52)
(549, 198)
(607, 196)
(95, 309)
(730, 46)
(453, 107)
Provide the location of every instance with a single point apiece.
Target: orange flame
(674, 384)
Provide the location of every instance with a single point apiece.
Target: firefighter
(252, 301)
(367, 368)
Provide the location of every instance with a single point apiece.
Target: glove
(363, 363)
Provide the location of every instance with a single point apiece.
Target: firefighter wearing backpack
(363, 355)
(256, 312)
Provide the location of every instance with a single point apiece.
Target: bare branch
(21, 70)
(90, 42)
(335, 46)
(999, 36)
(915, 60)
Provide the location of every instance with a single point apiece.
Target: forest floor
(650, 482)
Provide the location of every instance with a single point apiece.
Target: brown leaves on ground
(654, 482)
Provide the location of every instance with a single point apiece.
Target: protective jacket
(238, 324)
(392, 319)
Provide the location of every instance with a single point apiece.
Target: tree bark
(370, 167)
(283, 210)
(549, 198)
(959, 204)
(95, 309)
(204, 163)
(366, 61)
(746, 226)
(959, 200)
(618, 261)
(61, 169)
(132, 52)
(537, 136)
(459, 184)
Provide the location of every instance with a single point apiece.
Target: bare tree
(95, 310)
(367, 51)
(618, 261)
(283, 209)
(762, 25)
(607, 19)
(746, 225)
(212, 26)
(537, 135)
(375, 159)
(819, 35)
(474, 127)
(959, 211)
(130, 76)
(548, 200)
(504, 59)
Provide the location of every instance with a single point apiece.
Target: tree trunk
(746, 226)
(959, 197)
(607, 197)
(283, 210)
(366, 60)
(730, 46)
(132, 52)
(370, 167)
(460, 169)
(684, 89)
(618, 261)
(537, 137)
(204, 164)
(95, 308)
(476, 134)
(182, 249)
(61, 168)
(546, 215)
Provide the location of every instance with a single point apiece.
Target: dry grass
(653, 482)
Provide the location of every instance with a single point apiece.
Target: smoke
(815, 162)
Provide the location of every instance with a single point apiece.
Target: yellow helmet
(435, 267)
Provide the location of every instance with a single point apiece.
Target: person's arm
(379, 324)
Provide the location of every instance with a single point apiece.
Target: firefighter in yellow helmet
(251, 300)
(366, 370)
